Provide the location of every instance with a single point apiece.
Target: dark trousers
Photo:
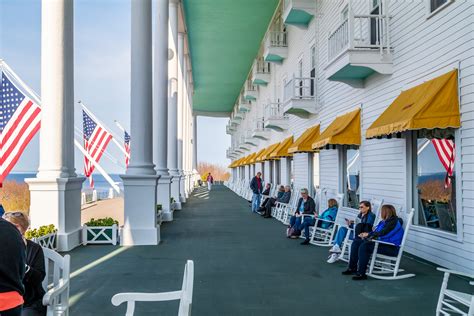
(268, 206)
(12, 312)
(361, 251)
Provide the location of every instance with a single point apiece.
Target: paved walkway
(244, 265)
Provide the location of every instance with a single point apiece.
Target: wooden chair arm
(120, 298)
(54, 292)
(457, 273)
(383, 242)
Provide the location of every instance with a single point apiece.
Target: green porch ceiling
(224, 38)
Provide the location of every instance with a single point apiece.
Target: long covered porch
(244, 265)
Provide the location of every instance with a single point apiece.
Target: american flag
(445, 149)
(20, 119)
(127, 148)
(96, 139)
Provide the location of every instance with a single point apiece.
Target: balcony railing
(360, 32)
(262, 67)
(299, 89)
(277, 39)
(274, 111)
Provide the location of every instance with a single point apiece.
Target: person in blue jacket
(2, 210)
(390, 230)
(256, 185)
(325, 220)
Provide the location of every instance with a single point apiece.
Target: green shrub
(159, 207)
(41, 231)
(108, 221)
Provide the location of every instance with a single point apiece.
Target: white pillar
(195, 160)
(173, 103)
(160, 109)
(140, 227)
(285, 176)
(55, 193)
(181, 98)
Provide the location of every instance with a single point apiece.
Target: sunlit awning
(430, 105)
(282, 149)
(257, 156)
(344, 130)
(266, 154)
(248, 159)
(304, 142)
(235, 163)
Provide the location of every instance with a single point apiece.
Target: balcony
(250, 91)
(276, 47)
(358, 48)
(260, 132)
(244, 146)
(244, 105)
(236, 117)
(298, 96)
(249, 139)
(230, 153)
(299, 12)
(261, 72)
(275, 118)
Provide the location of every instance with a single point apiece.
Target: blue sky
(102, 71)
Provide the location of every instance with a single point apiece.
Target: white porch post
(140, 180)
(173, 103)
(181, 116)
(56, 185)
(160, 109)
(285, 177)
(195, 160)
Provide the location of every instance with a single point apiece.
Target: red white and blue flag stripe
(127, 147)
(20, 119)
(445, 148)
(96, 139)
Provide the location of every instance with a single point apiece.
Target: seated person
(282, 197)
(305, 206)
(35, 270)
(366, 221)
(324, 220)
(265, 195)
(390, 229)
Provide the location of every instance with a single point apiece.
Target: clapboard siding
(422, 49)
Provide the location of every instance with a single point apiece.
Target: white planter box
(47, 241)
(159, 217)
(99, 234)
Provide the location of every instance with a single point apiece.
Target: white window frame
(411, 177)
(430, 13)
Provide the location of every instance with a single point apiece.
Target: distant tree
(433, 190)
(15, 196)
(219, 173)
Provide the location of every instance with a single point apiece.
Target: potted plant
(159, 214)
(100, 231)
(45, 236)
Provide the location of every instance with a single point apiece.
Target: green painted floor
(244, 265)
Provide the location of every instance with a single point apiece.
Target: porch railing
(277, 39)
(360, 32)
(274, 111)
(299, 88)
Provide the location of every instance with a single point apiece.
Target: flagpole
(106, 127)
(119, 126)
(97, 166)
(30, 91)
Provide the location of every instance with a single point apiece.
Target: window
(312, 74)
(434, 193)
(351, 176)
(315, 165)
(436, 4)
(313, 57)
(292, 174)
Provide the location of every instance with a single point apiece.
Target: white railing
(360, 32)
(249, 86)
(260, 124)
(274, 111)
(277, 39)
(299, 88)
(262, 66)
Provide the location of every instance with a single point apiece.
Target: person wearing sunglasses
(366, 219)
(12, 269)
(35, 269)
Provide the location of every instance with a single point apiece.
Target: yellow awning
(270, 149)
(248, 158)
(282, 149)
(344, 130)
(430, 105)
(304, 142)
(257, 156)
(235, 163)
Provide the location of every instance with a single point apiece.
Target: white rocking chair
(56, 283)
(185, 295)
(387, 267)
(454, 302)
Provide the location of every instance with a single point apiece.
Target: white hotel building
(403, 72)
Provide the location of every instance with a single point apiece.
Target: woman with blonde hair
(390, 230)
(35, 270)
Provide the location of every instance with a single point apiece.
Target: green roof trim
(224, 38)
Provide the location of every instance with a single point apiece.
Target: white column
(55, 193)
(140, 180)
(173, 104)
(195, 160)
(160, 109)
(285, 177)
(181, 98)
